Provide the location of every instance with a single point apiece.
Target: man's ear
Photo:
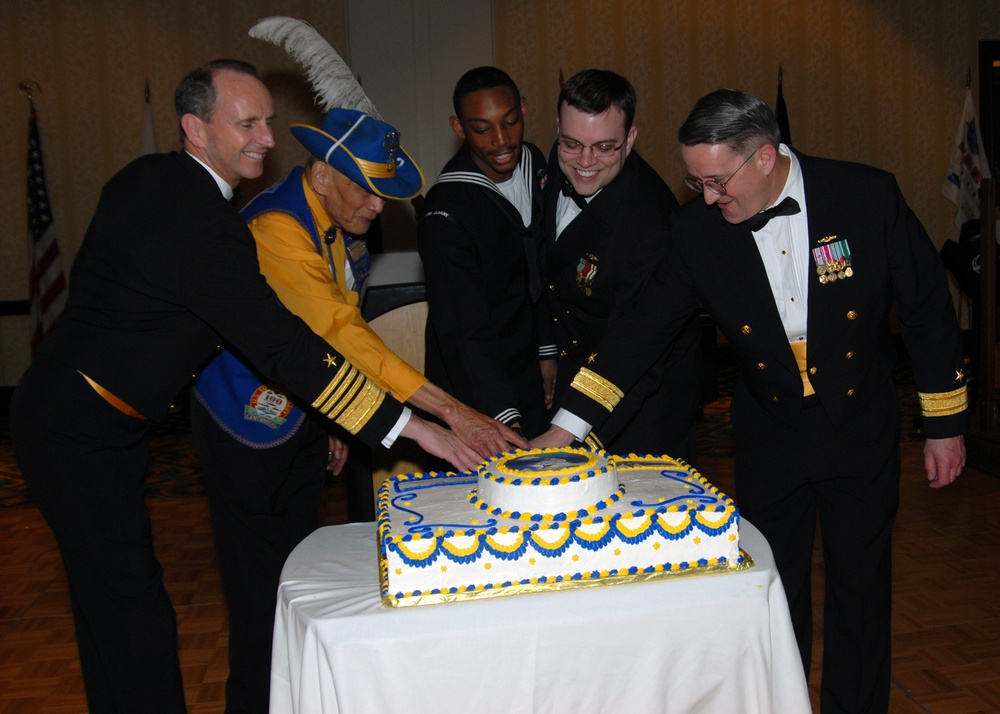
(319, 177)
(193, 129)
(768, 157)
(456, 126)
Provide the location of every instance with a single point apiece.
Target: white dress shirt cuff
(571, 423)
(393, 434)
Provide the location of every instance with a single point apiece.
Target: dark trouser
(849, 477)
(262, 502)
(84, 462)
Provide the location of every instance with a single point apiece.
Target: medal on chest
(833, 260)
(586, 271)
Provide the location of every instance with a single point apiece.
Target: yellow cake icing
(665, 519)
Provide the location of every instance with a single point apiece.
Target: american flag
(47, 284)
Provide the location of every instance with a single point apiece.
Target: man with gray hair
(800, 262)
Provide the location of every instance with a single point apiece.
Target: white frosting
(546, 481)
(433, 540)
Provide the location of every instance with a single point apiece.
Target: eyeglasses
(716, 187)
(601, 150)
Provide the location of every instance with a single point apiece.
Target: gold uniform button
(852, 314)
(552, 287)
(555, 319)
(850, 392)
(812, 370)
(746, 330)
(761, 366)
(775, 398)
(849, 355)
(562, 353)
(575, 341)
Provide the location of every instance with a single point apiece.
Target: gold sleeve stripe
(593, 442)
(344, 372)
(361, 409)
(333, 406)
(939, 404)
(350, 399)
(597, 388)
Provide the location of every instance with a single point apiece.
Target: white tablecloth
(716, 643)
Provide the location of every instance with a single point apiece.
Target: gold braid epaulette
(349, 399)
(941, 404)
(597, 388)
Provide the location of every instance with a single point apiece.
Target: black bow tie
(569, 192)
(788, 207)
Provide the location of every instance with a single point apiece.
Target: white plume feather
(331, 78)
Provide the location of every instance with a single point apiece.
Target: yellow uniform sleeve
(303, 282)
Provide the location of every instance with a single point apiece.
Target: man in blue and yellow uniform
(166, 272)
(265, 458)
(800, 260)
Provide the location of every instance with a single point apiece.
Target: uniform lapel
(826, 226)
(744, 278)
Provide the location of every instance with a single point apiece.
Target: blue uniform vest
(246, 406)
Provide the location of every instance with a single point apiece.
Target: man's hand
(338, 456)
(441, 443)
(486, 436)
(944, 460)
(555, 437)
(549, 369)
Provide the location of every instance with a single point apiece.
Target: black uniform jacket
(481, 268)
(593, 275)
(167, 271)
(850, 351)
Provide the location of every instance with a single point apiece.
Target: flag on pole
(966, 167)
(781, 114)
(46, 283)
(148, 135)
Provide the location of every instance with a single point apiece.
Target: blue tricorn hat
(364, 149)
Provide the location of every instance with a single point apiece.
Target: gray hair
(733, 117)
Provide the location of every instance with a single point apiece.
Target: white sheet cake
(549, 519)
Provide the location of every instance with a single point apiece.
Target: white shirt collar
(224, 186)
(793, 182)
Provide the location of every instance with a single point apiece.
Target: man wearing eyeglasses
(605, 229)
(799, 260)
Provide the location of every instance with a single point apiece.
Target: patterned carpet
(175, 470)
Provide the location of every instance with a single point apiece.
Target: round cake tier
(547, 483)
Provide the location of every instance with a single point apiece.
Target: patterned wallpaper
(879, 81)
(92, 59)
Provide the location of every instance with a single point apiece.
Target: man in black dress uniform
(605, 223)
(167, 271)
(799, 260)
(479, 240)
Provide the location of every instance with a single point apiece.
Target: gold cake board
(435, 598)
